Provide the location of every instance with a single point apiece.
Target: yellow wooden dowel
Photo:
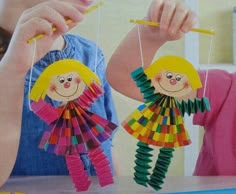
(68, 21)
(92, 8)
(156, 24)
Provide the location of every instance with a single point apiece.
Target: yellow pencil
(156, 24)
(68, 21)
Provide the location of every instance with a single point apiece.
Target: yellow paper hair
(41, 85)
(175, 64)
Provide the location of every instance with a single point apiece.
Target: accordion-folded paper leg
(142, 176)
(161, 167)
(77, 172)
(102, 166)
(143, 158)
(159, 121)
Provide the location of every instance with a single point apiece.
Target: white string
(140, 46)
(97, 40)
(31, 71)
(208, 62)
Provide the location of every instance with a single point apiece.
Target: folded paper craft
(72, 128)
(159, 121)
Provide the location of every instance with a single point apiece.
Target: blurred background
(114, 25)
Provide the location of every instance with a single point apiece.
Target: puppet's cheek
(52, 88)
(158, 78)
(186, 85)
(77, 80)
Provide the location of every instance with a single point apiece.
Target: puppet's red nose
(173, 81)
(67, 84)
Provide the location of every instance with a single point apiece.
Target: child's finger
(35, 26)
(190, 21)
(178, 18)
(81, 2)
(155, 11)
(73, 11)
(56, 13)
(168, 11)
(49, 14)
(54, 17)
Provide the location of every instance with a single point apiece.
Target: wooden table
(123, 185)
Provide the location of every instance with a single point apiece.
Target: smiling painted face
(66, 87)
(171, 83)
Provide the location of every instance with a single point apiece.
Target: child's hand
(175, 18)
(39, 20)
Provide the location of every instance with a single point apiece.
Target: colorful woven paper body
(76, 131)
(72, 129)
(158, 123)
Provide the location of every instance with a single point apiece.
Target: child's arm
(17, 62)
(175, 20)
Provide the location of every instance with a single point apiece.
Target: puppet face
(66, 87)
(171, 83)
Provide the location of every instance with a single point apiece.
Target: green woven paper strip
(206, 103)
(190, 106)
(141, 170)
(140, 182)
(142, 164)
(155, 185)
(136, 73)
(151, 98)
(144, 85)
(141, 157)
(197, 104)
(148, 90)
(161, 168)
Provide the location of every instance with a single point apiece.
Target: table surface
(123, 185)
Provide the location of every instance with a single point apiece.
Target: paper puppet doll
(72, 128)
(159, 121)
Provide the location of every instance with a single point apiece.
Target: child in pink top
(218, 153)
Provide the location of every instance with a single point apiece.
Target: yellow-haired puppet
(159, 121)
(72, 129)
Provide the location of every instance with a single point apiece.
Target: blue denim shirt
(30, 159)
